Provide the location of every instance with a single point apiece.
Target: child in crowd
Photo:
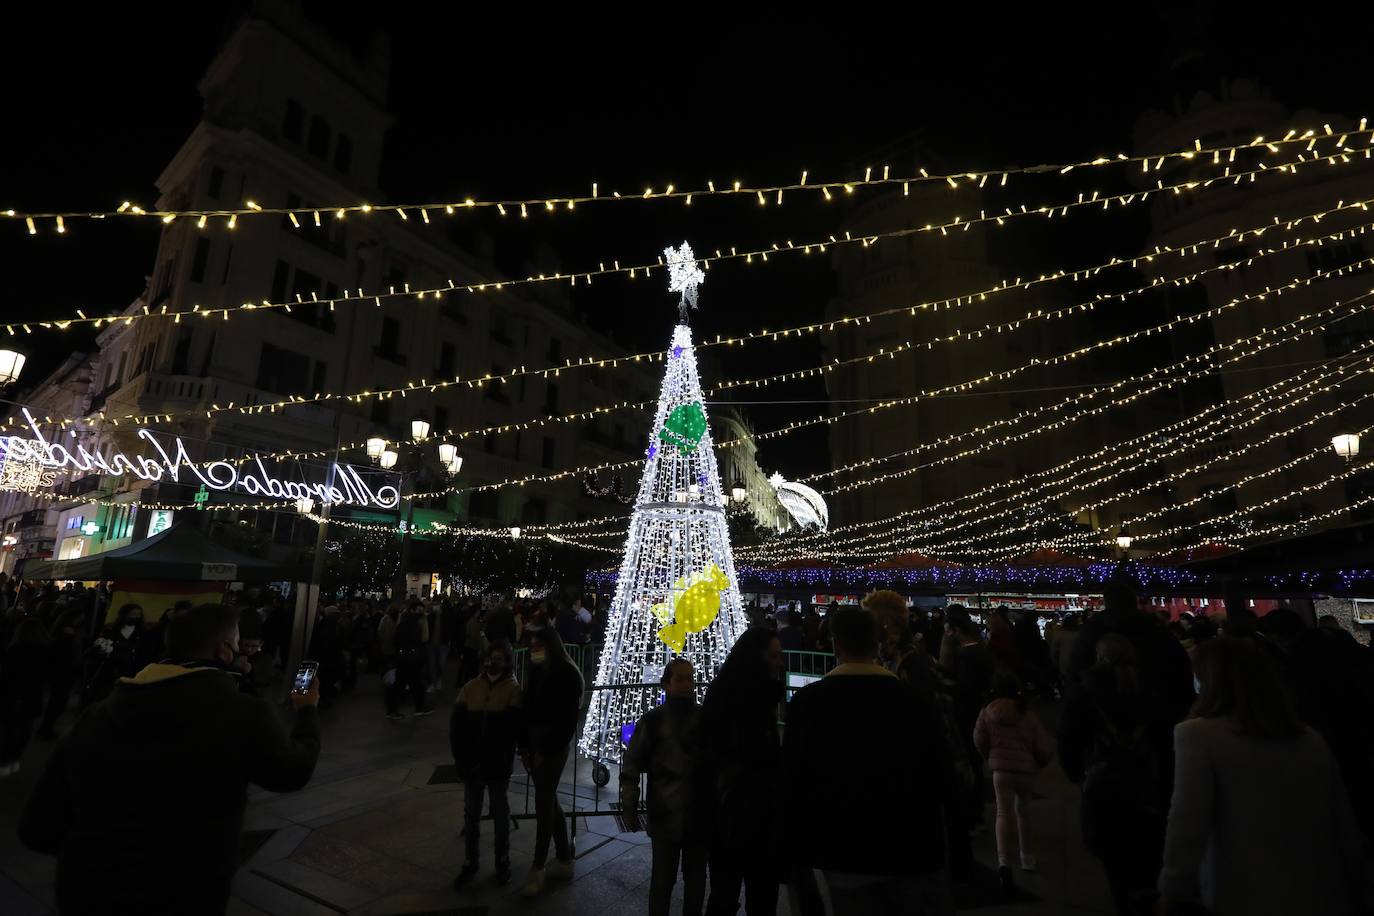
(1015, 744)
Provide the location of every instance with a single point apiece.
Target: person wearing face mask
(664, 746)
(552, 700)
(182, 745)
(118, 652)
(483, 732)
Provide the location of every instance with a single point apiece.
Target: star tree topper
(684, 276)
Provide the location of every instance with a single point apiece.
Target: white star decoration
(684, 275)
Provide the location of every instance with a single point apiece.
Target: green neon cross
(202, 497)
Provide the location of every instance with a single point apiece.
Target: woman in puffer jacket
(1016, 746)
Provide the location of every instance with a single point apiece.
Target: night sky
(535, 106)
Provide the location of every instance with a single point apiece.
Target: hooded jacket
(1012, 740)
(485, 727)
(158, 773)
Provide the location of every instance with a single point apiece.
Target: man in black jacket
(158, 773)
(665, 747)
(860, 744)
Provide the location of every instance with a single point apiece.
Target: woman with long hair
(23, 672)
(1260, 822)
(741, 757)
(553, 697)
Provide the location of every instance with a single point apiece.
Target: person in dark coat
(741, 756)
(483, 732)
(553, 697)
(409, 645)
(1113, 742)
(23, 671)
(327, 648)
(158, 773)
(842, 753)
(665, 748)
(119, 651)
(66, 665)
(972, 667)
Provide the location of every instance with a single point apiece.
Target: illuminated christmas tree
(677, 593)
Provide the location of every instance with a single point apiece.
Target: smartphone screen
(304, 675)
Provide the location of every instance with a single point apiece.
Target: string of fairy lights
(1124, 457)
(888, 351)
(760, 255)
(413, 386)
(764, 194)
(1309, 151)
(1267, 339)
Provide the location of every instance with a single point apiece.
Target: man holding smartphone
(159, 771)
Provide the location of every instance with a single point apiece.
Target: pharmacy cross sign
(202, 497)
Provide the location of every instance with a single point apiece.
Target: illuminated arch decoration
(805, 505)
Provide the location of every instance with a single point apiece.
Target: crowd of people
(1202, 748)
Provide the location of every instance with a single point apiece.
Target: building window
(489, 444)
(181, 355)
(201, 260)
(282, 371)
(318, 143)
(389, 342)
(228, 256)
(281, 278)
(535, 512)
(440, 421)
(546, 459)
(294, 120)
(215, 186)
(555, 349)
(446, 356)
(496, 387)
(343, 153)
(551, 399)
(317, 380)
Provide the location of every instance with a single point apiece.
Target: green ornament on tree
(684, 427)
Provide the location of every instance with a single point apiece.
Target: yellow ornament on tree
(696, 603)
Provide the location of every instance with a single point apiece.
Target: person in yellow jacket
(483, 732)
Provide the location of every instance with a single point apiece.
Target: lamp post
(1124, 540)
(387, 456)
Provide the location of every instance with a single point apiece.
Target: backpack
(1121, 791)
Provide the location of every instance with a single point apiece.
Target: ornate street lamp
(1124, 539)
(1347, 445)
(737, 492)
(375, 446)
(11, 364)
(305, 505)
(388, 459)
(447, 452)
(419, 429)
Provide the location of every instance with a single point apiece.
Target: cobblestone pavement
(377, 833)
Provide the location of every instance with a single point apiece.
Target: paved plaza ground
(377, 833)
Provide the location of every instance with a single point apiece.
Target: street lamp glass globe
(1346, 445)
(305, 505)
(1123, 540)
(447, 452)
(388, 459)
(419, 429)
(515, 532)
(455, 465)
(738, 493)
(375, 446)
(11, 364)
